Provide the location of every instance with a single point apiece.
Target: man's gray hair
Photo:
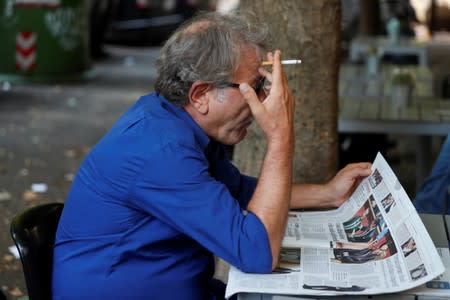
(207, 48)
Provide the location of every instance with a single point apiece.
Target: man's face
(228, 108)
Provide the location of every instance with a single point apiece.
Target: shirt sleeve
(240, 186)
(176, 187)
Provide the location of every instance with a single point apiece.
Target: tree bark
(309, 30)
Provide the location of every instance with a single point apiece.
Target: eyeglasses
(258, 87)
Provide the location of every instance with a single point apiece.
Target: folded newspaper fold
(374, 243)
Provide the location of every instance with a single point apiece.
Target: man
(157, 197)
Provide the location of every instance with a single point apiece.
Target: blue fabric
(149, 205)
(432, 195)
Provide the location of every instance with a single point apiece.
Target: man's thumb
(250, 96)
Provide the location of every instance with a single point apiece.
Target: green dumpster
(44, 40)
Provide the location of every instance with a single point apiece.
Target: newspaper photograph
(374, 243)
(439, 287)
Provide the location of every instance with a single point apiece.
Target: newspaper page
(374, 243)
(439, 287)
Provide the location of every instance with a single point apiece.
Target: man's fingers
(263, 72)
(276, 66)
(251, 98)
(278, 76)
(359, 169)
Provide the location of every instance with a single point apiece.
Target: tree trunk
(309, 30)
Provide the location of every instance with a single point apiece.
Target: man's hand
(345, 181)
(276, 113)
(331, 194)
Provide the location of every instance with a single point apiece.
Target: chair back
(33, 232)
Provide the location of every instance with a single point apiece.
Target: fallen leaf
(16, 292)
(69, 177)
(23, 172)
(71, 153)
(4, 196)
(29, 196)
(8, 258)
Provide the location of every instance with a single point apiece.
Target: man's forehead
(249, 64)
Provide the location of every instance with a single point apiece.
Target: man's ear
(199, 96)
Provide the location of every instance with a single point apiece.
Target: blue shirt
(149, 205)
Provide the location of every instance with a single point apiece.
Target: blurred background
(69, 69)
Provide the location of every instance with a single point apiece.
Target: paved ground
(45, 131)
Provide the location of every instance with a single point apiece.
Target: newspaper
(373, 243)
(439, 287)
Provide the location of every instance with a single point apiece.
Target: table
(354, 81)
(436, 228)
(365, 107)
(424, 117)
(405, 46)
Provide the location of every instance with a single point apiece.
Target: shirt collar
(181, 113)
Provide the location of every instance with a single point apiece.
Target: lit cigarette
(283, 62)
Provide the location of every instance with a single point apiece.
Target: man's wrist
(328, 196)
(281, 145)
